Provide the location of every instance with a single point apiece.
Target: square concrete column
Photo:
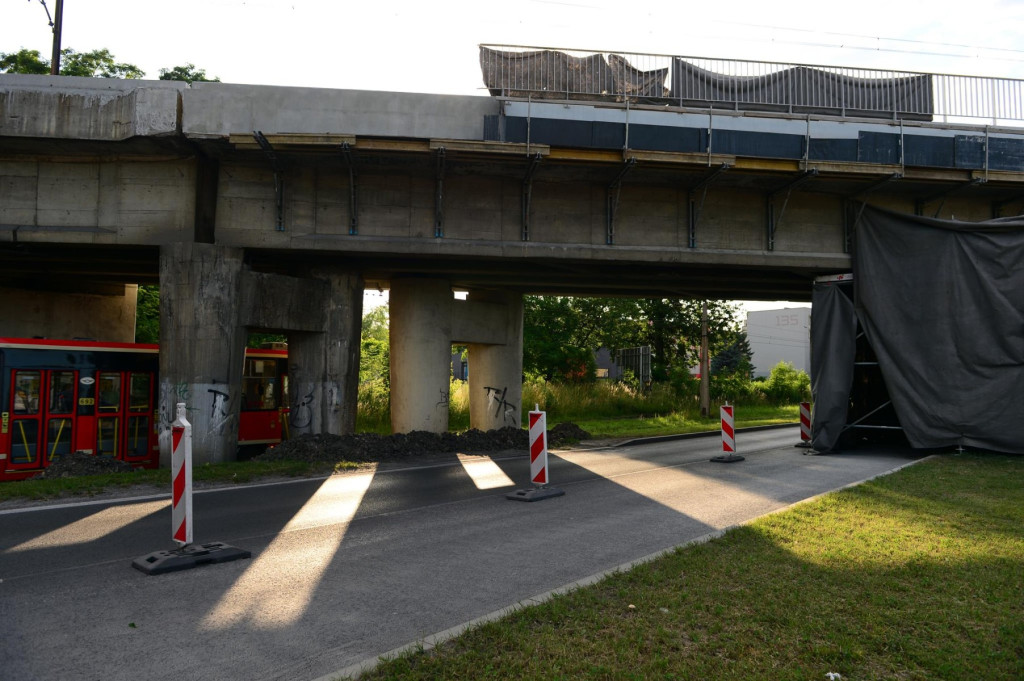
(421, 342)
(323, 368)
(496, 369)
(202, 346)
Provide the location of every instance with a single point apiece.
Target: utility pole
(58, 21)
(705, 363)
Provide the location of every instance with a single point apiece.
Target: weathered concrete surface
(202, 346)
(108, 109)
(496, 369)
(421, 343)
(220, 109)
(27, 313)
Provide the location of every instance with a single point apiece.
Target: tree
(734, 358)
(24, 61)
(188, 73)
(94, 64)
(147, 315)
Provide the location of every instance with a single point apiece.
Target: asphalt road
(346, 569)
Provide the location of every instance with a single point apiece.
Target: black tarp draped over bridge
(942, 305)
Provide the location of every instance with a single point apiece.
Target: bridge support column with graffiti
(202, 345)
(496, 369)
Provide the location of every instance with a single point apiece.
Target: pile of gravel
(370, 447)
(79, 463)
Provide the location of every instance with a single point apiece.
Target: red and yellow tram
(61, 396)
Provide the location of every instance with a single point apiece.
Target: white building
(780, 336)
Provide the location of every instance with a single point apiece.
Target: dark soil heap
(80, 463)
(371, 447)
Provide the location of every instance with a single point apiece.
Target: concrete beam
(58, 314)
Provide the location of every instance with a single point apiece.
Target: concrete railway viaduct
(271, 208)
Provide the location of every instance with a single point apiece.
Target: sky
(432, 47)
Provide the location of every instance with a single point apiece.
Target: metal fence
(694, 82)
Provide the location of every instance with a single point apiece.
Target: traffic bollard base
(803, 444)
(731, 458)
(188, 557)
(535, 494)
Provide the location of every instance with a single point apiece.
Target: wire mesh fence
(693, 82)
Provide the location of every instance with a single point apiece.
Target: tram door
(42, 410)
(124, 414)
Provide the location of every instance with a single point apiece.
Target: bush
(787, 385)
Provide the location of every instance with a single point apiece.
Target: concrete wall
(25, 314)
(780, 336)
(220, 109)
(107, 109)
(144, 201)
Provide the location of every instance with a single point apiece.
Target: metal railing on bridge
(693, 82)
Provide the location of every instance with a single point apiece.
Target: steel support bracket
(773, 220)
(353, 208)
(612, 199)
(534, 162)
(275, 164)
(695, 209)
(439, 195)
(919, 204)
(850, 222)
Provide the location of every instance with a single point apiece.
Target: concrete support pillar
(323, 368)
(421, 341)
(496, 370)
(202, 345)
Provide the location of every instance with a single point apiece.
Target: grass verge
(917, 575)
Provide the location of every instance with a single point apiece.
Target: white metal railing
(695, 82)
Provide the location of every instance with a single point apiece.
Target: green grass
(678, 422)
(918, 575)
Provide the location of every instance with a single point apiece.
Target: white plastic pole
(538, 446)
(181, 479)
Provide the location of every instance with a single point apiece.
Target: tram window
(25, 441)
(138, 392)
(138, 436)
(109, 391)
(62, 392)
(58, 437)
(26, 392)
(259, 384)
(106, 436)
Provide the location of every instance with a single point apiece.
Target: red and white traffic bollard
(728, 436)
(805, 425)
(538, 447)
(538, 461)
(181, 477)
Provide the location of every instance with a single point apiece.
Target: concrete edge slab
(354, 671)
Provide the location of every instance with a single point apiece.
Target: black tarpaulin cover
(942, 304)
(833, 338)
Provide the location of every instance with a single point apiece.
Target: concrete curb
(703, 433)
(354, 671)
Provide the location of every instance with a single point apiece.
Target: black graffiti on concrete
(445, 398)
(496, 398)
(302, 413)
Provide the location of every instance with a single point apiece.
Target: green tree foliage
(147, 315)
(24, 61)
(558, 331)
(787, 385)
(93, 64)
(96, 64)
(188, 73)
(375, 349)
(734, 358)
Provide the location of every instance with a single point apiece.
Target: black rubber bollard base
(188, 557)
(731, 458)
(535, 494)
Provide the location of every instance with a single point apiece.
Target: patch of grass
(683, 422)
(917, 575)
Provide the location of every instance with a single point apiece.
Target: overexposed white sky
(433, 46)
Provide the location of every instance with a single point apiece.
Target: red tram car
(61, 396)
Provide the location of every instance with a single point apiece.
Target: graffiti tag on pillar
(502, 407)
(220, 415)
(302, 413)
(445, 398)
